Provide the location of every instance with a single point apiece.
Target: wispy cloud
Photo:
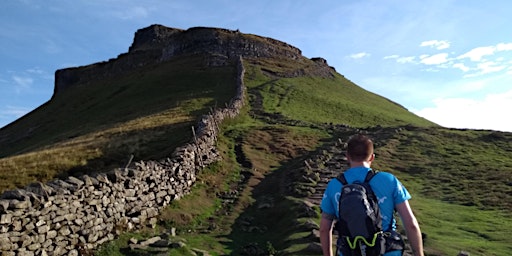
(395, 56)
(9, 113)
(435, 59)
(22, 82)
(359, 55)
(403, 60)
(483, 68)
(478, 53)
(50, 46)
(136, 12)
(461, 66)
(475, 62)
(438, 44)
(14, 111)
(410, 59)
(490, 67)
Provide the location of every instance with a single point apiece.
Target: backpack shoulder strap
(341, 178)
(370, 175)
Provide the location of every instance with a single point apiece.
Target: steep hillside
(144, 102)
(98, 126)
(262, 198)
(308, 91)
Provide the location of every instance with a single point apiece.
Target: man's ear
(372, 157)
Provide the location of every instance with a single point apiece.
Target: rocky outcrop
(157, 43)
(64, 217)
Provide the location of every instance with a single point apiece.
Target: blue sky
(446, 60)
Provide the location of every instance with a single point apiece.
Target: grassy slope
(459, 178)
(326, 100)
(440, 156)
(460, 181)
(99, 125)
(442, 168)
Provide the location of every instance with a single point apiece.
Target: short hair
(359, 148)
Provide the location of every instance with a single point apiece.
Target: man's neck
(360, 164)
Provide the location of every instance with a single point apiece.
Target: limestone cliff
(158, 43)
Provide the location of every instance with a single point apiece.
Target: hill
(143, 104)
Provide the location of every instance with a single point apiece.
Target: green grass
(145, 114)
(461, 166)
(327, 100)
(459, 179)
(452, 228)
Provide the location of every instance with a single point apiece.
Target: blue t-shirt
(388, 189)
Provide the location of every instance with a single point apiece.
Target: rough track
(328, 165)
(333, 164)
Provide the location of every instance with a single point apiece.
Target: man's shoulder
(384, 178)
(384, 175)
(334, 182)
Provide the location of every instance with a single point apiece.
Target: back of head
(359, 148)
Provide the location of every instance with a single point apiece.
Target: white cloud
(478, 53)
(14, 111)
(10, 113)
(401, 60)
(438, 44)
(489, 67)
(395, 56)
(486, 113)
(461, 66)
(435, 59)
(504, 47)
(359, 55)
(22, 82)
(486, 68)
(406, 59)
(470, 86)
(133, 13)
(480, 66)
(35, 70)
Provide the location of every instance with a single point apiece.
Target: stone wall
(63, 217)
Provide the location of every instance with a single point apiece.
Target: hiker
(390, 193)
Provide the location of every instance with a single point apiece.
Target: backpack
(359, 224)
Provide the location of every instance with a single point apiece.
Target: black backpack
(359, 224)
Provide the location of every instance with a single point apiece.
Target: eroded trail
(326, 166)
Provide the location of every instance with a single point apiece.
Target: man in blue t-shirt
(391, 195)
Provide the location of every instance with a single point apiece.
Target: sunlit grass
(451, 228)
(144, 115)
(459, 179)
(326, 100)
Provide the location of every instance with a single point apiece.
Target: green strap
(353, 244)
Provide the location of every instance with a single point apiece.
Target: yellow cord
(354, 244)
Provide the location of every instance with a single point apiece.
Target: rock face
(158, 43)
(65, 217)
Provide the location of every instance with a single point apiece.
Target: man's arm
(326, 234)
(411, 227)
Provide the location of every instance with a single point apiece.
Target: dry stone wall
(63, 217)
